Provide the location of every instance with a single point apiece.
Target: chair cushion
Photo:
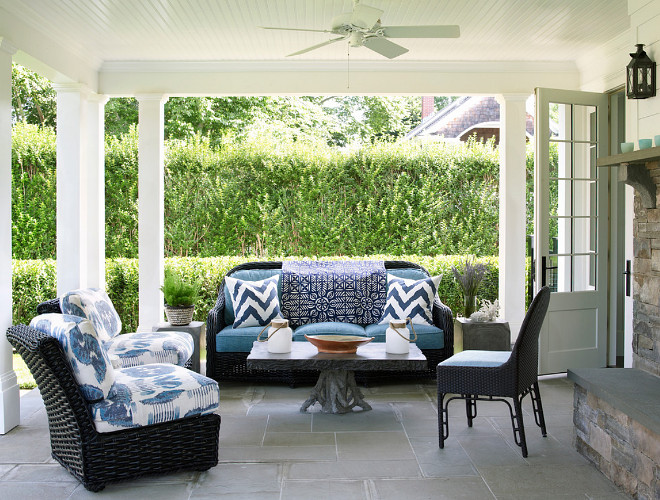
(94, 305)
(410, 299)
(328, 328)
(477, 358)
(249, 275)
(428, 336)
(255, 303)
(231, 339)
(89, 360)
(143, 348)
(152, 394)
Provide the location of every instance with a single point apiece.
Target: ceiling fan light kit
(362, 28)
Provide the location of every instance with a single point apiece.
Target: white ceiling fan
(362, 28)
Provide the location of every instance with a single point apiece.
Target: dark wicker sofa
(96, 458)
(232, 365)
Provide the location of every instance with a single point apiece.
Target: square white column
(96, 190)
(151, 208)
(513, 119)
(72, 195)
(9, 393)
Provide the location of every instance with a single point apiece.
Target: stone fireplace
(617, 410)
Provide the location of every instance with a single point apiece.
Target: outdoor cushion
(152, 394)
(89, 361)
(477, 358)
(248, 275)
(95, 305)
(143, 348)
(408, 273)
(327, 328)
(428, 336)
(255, 303)
(237, 339)
(410, 299)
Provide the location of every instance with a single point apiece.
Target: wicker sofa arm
(444, 319)
(215, 322)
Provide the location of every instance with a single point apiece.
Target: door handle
(544, 268)
(627, 274)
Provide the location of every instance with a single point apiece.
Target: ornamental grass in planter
(180, 297)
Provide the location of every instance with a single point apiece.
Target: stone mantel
(634, 171)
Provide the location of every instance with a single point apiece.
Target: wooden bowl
(338, 344)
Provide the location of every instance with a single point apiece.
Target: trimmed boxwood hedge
(35, 281)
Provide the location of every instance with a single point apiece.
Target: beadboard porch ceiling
(94, 36)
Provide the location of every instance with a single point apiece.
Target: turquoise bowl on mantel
(656, 139)
(627, 147)
(645, 143)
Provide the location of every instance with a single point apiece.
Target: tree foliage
(33, 98)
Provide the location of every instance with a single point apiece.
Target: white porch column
(151, 202)
(512, 209)
(72, 215)
(96, 191)
(9, 393)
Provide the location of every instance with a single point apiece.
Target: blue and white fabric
(344, 291)
(410, 299)
(94, 305)
(152, 394)
(255, 303)
(89, 361)
(484, 359)
(143, 348)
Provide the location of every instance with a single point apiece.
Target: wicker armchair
(493, 375)
(232, 365)
(96, 458)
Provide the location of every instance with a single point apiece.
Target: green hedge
(34, 282)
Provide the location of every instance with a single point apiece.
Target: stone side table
(195, 328)
(483, 336)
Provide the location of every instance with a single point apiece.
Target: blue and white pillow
(89, 361)
(255, 302)
(410, 299)
(95, 305)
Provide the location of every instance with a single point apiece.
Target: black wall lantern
(640, 74)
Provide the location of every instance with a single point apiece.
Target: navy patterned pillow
(410, 299)
(255, 302)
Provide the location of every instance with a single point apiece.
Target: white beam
(151, 202)
(512, 209)
(96, 191)
(9, 393)
(72, 216)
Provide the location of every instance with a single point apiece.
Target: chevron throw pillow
(255, 302)
(410, 299)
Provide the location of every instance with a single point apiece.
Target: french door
(571, 227)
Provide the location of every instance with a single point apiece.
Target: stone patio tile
(484, 409)
(46, 473)
(136, 490)
(468, 488)
(381, 418)
(354, 469)
(373, 446)
(300, 439)
(537, 481)
(279, 409)
(325, 490)
(489, 450)
(277, 453)
(457, 427)
(250, 480)
(242, 431)
(415, 410)
(4, 469)
(290, 423)
(31, 490)
(25, 445)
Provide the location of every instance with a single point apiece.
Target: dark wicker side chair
(98, 458)
(494, 375)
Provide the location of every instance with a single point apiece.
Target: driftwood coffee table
(336, 390)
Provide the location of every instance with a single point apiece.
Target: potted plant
(180, 297)
(470, 281)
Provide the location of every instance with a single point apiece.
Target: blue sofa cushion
(410, 299)
(236, 339)
(249, 275)
(428, 336)
(478, 358)
(255, 303)
(328, 328)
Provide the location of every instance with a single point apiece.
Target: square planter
(483, 336)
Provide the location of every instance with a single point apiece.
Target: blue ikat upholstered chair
(131, 349)
(111, 424)
(494, 375)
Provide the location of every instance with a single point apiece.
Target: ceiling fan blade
(384, 47)
(294, 29)
(365, 16)
(449, 31)
(317, 46)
